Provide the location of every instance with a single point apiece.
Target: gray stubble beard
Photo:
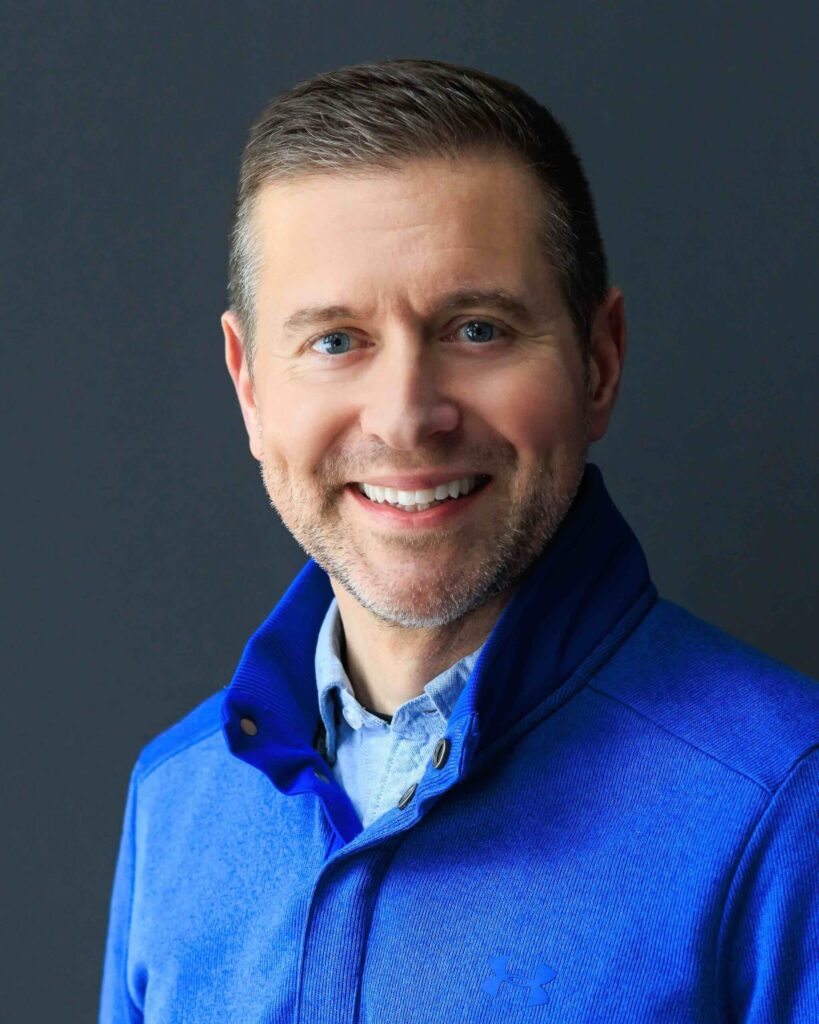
(530, 529)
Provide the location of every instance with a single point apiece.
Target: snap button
(441, 752)
(321, 775)
(248, 726)
(353, 717)
(407, 796)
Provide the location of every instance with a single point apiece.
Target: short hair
(381, 116)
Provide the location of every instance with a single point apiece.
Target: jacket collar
(588, 577)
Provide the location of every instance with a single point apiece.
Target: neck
(388, 665)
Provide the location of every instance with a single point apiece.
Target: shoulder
(715, 692)
(199, 725)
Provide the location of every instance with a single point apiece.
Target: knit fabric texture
(619, 824)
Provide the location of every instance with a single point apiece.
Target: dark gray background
(140, 549)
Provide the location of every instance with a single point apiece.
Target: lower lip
(389, 514)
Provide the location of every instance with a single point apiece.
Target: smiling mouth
(422, 500)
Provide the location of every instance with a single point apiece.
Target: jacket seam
(575, 682)
(682, 739)
(132, 830)
(741, 856)
(377, 888)
(142, 775)
(145, 773)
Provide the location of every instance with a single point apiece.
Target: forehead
(399, 235)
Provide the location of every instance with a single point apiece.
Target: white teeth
(411, 499)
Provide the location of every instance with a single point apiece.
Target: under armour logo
(500, 966)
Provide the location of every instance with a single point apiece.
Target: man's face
(406, 383)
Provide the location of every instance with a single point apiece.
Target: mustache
(344, 467)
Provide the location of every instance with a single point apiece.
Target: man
(471, 767)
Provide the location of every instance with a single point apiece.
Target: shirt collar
(589, 576)
(439, 697)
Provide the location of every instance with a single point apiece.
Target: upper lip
(419, 481)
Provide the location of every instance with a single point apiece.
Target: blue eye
(335, 348)
(339, 343)
(477, 330)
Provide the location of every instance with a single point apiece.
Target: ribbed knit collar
(588, 577)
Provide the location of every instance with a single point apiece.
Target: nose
(407, 401)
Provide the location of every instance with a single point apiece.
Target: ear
(606, 359)
(245, 390)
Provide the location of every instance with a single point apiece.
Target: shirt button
(353, 717)
(440, 753)
(248, 726)
(407, 796)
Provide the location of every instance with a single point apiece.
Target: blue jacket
(620, 824)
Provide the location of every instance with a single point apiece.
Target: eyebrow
(495, 298)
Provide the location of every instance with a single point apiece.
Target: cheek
(539, 411)
(299, 427)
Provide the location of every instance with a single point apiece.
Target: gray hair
(382, 115)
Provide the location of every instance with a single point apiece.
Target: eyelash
(501, 328)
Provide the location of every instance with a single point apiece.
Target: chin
(419, 604)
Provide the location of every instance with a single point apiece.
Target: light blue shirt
(376, 761)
